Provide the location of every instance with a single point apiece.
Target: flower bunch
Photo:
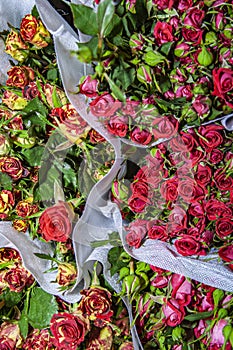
(182, 194)
(158, 65)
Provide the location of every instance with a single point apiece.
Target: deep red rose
(163, 4)
(31, 91)
(223, 181)
(89, 87)
(196, 155)
(104, 105)
(190, 191)
(168, 189)
(194, 17)
(118, 125)
(156, 230)
(20, 76)
(12, 166)
(141, 136)
(212, 137)
(183, 5)
(216, 209)
(215, 156)
(163, 33)
(55, 223)
(192, 35)
(196, 209)
(68, 330)
(96, 303)
(181, 289)
(224, 227)
(226, 254)
(174, 312)
(17, 278)
(136, 232)
(95, 137)
(165, 127)
(223, 84)
(187, 246)
(203, 174)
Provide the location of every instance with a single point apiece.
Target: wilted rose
(9, 254)
(127, 346)
(6, 343)
(20, 225)
(31, 91)
(34, 32)
(96, 137)
(26, 208)
(6, 203)
(12, 166)
(100, 339)
(13, 101)
(20, 76)
(10, 331)
(17, 278)
(39, 340)
(66, 274)
(15, 46)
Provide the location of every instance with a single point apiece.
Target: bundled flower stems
(160, 82)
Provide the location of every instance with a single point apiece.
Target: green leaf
(84, 19)
(165, 48)
(152, 58)
(92, 46)
(218, 295)
(55, 98)
(35, 106)
(52, 74)
(5, 181)
(11, 298)
(33, 155)
(105, 14)
(114, 27)
(117, 93)
(198, 316)
(42, 306)
(23, 325)
(114, 257)
(45, 257)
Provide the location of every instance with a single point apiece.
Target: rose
(192, 35)
(95, 137)
(174, 312)
(210, 137)
(127, 346)
(9, 254)
(187, 246)
(20, 225)
(203, 174)
(100, 339)
(13, 123)
(160, 281)
(66, 274)
(163, 33)
(177, 219)
(216, 335)
(140, 187)
(39, 340)
(96, 303)
(156, 230)
(15, 47)
(226, 254)
(141, 136)
(215, 209)
(31, 91)
(137, 203)
(184, 5)
(194, 17)
(55, 222)
(4, 145)
(20, 76)
(17, 278)
(34, 32)
(13, 101)
(120, 190)
(12, 332)
(168, 189)
(196, 209)
(181, 289)
(68, 330)
(136, 232)
(191, 191)
(183, 142)
(223, 84)
(163, 4)
(6, 203)
(202, 105)
(12, 166)
(26, 208)
(89, 87)
(165, 127)
(6, 343)
(104, 105)
(49, 91)
(184, 91)
(224, 227)
(223, 181)
(215, 156)
(118, 125)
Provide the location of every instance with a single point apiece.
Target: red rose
(6, 343)
(138, 202)
(20, 76)
(192, 35)
(136, 232)
(196, 156)
(89, 87)
(96, 303)
(68, 330)
(165, 127)
(55, 223)
(95, 137)
(156, 230)
(183, 142)
(12, 166)
(196, 209)
(223, 84)
(104, 105)
(140, 187)
(224, 227)
(194, 17)
(174, 312)
(216, 209)
(181, 289)
(31, 91)
(212, 137)
(223, 181)
(184, 5)
(215, 156)
(163, 4)
(163, 33)
(8, 254)
(141, 136)
(118, 125)
(177, 219)
(187, 246)
(203, 175)
(168, 189)
(16, 278)
(190, 191)
(226, 254)
(39, 340)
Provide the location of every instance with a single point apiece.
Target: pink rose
(174, 312)
(217, 337)
(168, 189)
(163, 33)
(163, 4)
(136, 232)
(194, 17)
(104, 105)
(89, 87)
(165, 127)
(118, 125)
(181, 289)
(160, 281)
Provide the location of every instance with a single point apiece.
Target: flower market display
(101, 163)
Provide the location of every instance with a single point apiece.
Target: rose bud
(39, 340)
(96, 303)
(68, 330)
(66, 274)
(100, 339)
(120, 190)
(136, 42)
(15, 47)
(11, 331)
(26, 208)
(205, 57)
(17, 278)
(20, 225)
(4, 145)
(34, 32)
(181, 50)
(13, 101)
(6, 203)
(127, 346)
(144, 74)
(20, 76)
(9, 254)
(58, 216)
(12, 166)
